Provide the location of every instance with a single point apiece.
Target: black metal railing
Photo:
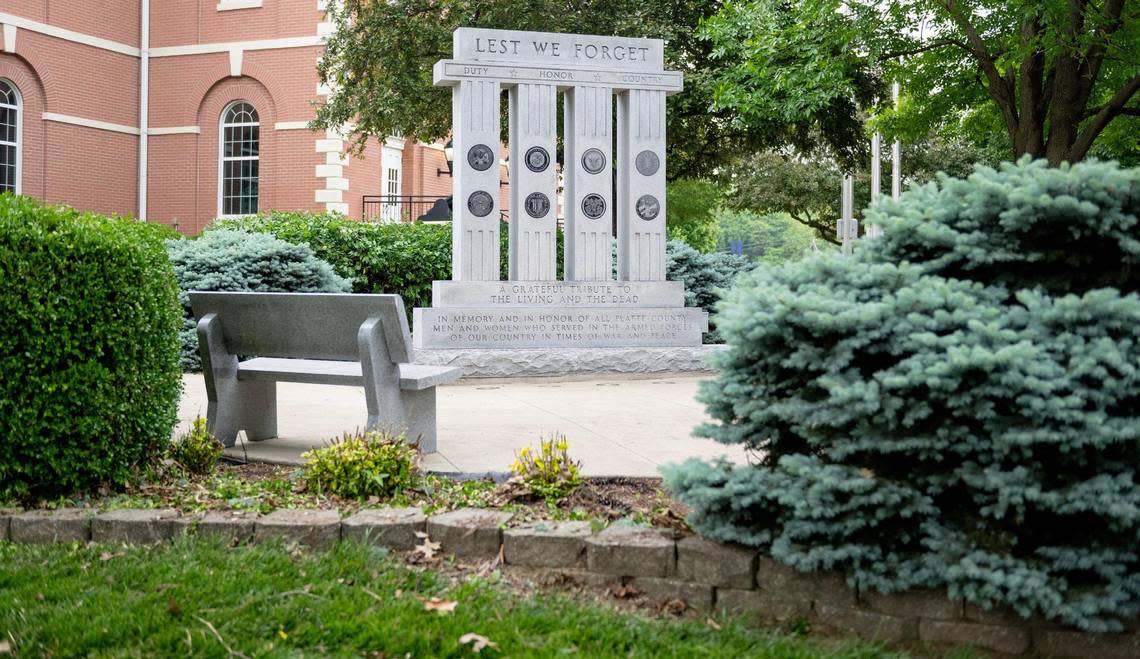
(405, 208)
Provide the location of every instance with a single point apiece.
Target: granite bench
(314, 338)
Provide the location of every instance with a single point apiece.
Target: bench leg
(408, 413)
(419, 417)
(250, 406)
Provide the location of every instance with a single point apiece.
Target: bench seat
(413, 377)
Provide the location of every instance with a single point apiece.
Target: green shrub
(88, 349)
(361, 465)
(690, 205)
(549, 472)
(955, 406)
(241, 261)
(402, 258)
(706, 277)
(197, 451)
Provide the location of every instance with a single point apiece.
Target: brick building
(204, 102)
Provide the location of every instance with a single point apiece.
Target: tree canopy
(1053, 78)
(807, 186)
(378, 62)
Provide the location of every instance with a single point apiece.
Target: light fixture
(449, 154)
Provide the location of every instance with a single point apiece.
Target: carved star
(514, 73)
(597, 77)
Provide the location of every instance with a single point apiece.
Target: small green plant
(196, 451)
(550, 473)
(364, 464)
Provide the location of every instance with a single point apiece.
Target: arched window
(9, 138)
(240, 141)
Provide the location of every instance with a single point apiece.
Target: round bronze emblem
(537, 159)
(648, 207)
(537, 204)
(593, 206)
(593, 161)
(480, 157)
(647, 163)
(480, 203)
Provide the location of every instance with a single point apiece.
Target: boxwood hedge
(88, 348)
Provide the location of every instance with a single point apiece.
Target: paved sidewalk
(617, 426)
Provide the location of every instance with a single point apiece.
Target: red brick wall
(364, 177)
(91, 169)
(181, 22)
(16, 70)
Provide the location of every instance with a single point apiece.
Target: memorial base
(571, 362)
(512, 315)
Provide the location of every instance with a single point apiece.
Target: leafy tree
(772, 238)
(379, 64)
(807, 187)
(1052, 75)
(690, 204)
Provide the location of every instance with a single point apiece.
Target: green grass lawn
(197, 597)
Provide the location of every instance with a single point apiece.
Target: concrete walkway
(619, 426)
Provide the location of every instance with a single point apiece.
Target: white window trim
(230, 5)
(19, 134)
(222, 159)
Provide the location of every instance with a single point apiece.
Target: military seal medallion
(593, 161)
(537, 159)
(537, 205)
(647, 163)
(480, 203)
(648, 207)
(593, 206)
(480, 157)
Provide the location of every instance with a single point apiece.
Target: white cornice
(90, 123)
(174, 130)
(261, 44)
(68, 35)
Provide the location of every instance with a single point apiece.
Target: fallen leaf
(676, 606)
(399, 593)
(440, 605)
(624, 592)
(172, 607)
(866, 473)
(164, 586)
(477, 642)
(426, 550)
(421, 534)
(5, 647)
(713, 624)
(39, 597)
(106, 556)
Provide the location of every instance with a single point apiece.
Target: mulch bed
(604, 499)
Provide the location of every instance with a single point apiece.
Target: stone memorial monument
(533, 309)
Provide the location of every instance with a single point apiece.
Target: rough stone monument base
(488, 363)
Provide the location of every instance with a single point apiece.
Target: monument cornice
(447, 73)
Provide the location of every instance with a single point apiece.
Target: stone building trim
(68, 35)
(90, 123)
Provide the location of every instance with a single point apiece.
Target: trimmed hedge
(405, 258)
(88, 349)
(402, 258)
(242, 261)
(955, 406)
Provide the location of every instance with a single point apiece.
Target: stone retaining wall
(704, 574)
